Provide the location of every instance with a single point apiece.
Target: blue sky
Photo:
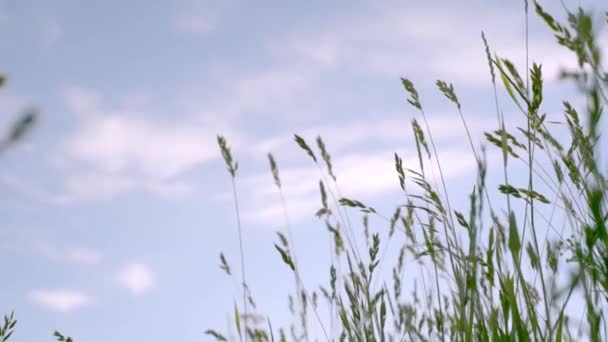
(116, 207)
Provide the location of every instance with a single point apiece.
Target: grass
(501, 270)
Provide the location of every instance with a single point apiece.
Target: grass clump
(499, 270)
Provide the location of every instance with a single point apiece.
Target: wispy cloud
(363, 160)
(137, 278)
(59, 300)
(427, 42)
(118, 150)
(115, 143)
(387, 130)
(359, 175)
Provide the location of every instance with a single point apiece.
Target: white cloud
(366, 172)
(114, 143)
(444, 44)
(60, 300)
(113, 151)
(386, 129)
(359, 176)
(116, 150)
(137, 278)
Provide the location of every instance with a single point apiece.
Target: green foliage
(448, 91)
(7, 329)
(274, 170)
(216, 335)
(227, 155)
(302, 143)
(286, 258)
(62, 338)
(414, 100)
(224, 264)
(20, 128)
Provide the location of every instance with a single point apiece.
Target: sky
(116, 206)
